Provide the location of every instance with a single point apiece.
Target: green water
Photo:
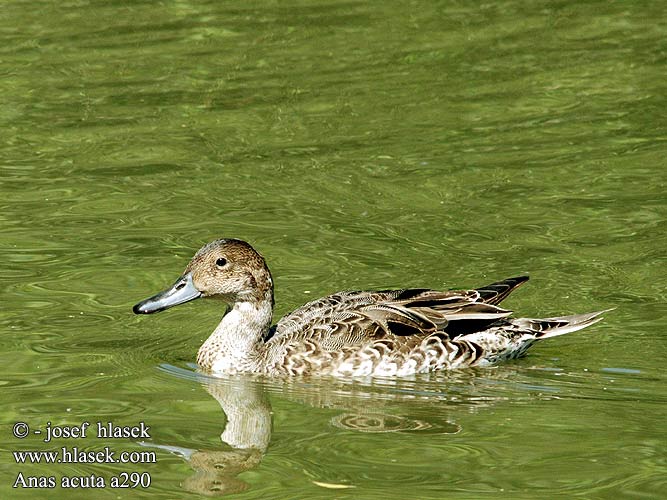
(356, 145)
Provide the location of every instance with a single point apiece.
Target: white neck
(232, 347)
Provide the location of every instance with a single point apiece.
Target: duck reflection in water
(428, 404)
(247, 433)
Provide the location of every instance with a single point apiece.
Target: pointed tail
(553, 327)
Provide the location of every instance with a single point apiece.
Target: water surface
(427, 144)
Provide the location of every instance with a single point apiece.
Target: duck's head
(228, 269)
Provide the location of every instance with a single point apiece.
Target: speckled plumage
(378, 333)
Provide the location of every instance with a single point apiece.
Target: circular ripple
(378, 422)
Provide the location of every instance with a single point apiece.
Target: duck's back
(346, 330)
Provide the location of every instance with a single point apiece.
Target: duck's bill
(182, 291)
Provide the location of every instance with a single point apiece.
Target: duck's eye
(221, 262)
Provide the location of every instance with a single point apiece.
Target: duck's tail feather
(498, 291)
(560, 325)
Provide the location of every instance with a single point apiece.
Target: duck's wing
(498, 291)
(489, 294)
(351, 318)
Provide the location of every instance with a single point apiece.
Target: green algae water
(357, 146)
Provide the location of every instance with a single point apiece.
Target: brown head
(229, 269)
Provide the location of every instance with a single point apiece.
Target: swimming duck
(360, 333)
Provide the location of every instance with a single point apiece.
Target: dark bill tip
(180, 292)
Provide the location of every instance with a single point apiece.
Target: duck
(379, 333)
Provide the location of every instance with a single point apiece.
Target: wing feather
(352, 318)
